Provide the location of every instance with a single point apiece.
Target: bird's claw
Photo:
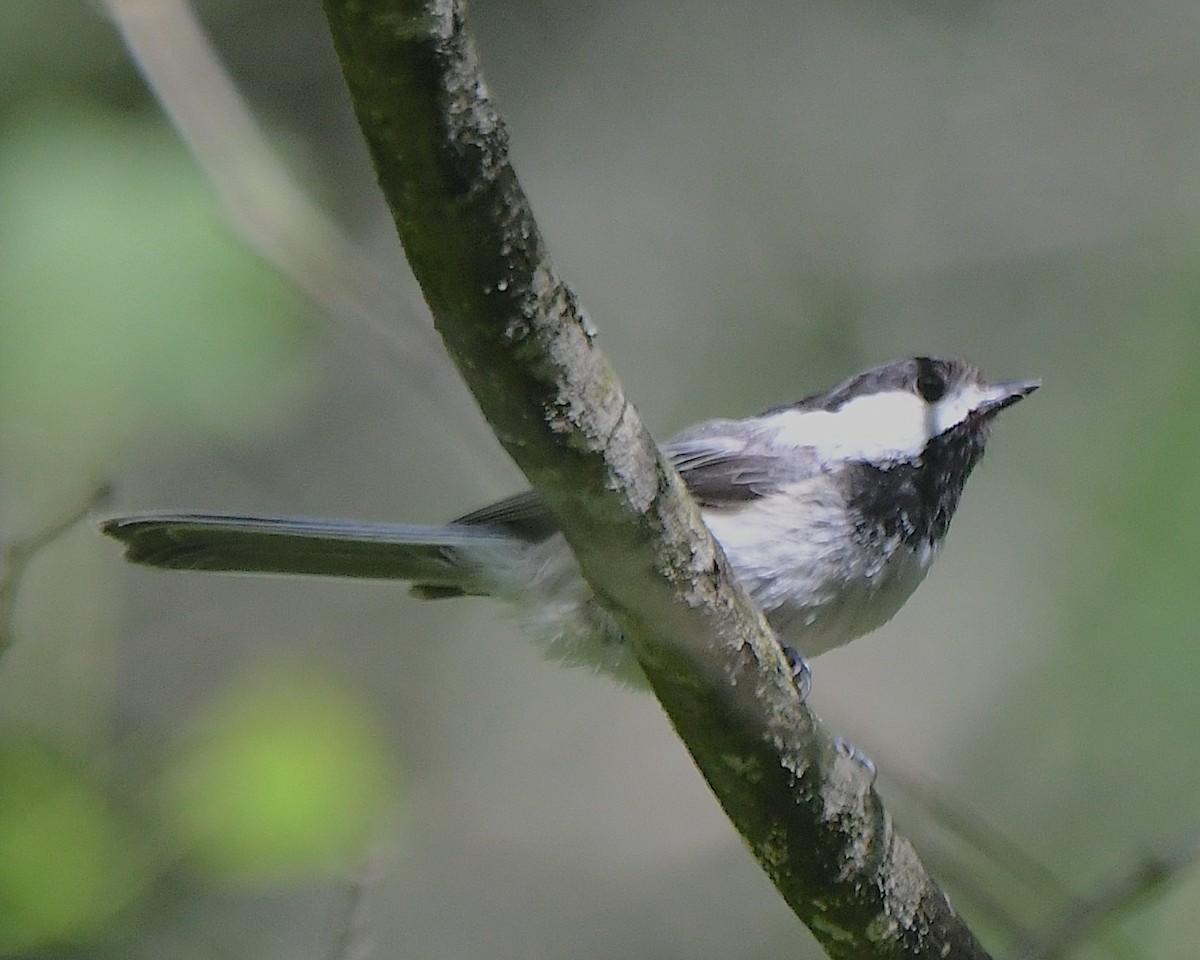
(801, 675)
(847, 749)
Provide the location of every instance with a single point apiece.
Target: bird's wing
(723, 464)
(522, 516)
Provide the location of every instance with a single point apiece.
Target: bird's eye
(931, 386)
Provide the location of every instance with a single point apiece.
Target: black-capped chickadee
(830, 510)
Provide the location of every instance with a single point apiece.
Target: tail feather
(450, 560)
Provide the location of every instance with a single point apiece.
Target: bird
(830, 510)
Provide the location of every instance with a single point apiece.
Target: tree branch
(528, 353)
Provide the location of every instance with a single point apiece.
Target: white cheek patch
(955, 407)
(895, 425)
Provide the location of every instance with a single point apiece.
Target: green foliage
(285, 778)
(282, 779)
(68, 863)
(127, 301)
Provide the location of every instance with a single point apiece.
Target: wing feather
(724, 463)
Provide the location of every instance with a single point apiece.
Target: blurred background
(752, 202)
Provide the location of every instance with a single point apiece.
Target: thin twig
(996, 849)
(997, 846)
(269, 209)
(353, 940)
(18, 555)
(1081, 919)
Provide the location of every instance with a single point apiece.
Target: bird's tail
(451, 560)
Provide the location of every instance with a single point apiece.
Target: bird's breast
(821, 577)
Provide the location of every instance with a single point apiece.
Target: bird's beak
(1005, 395)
